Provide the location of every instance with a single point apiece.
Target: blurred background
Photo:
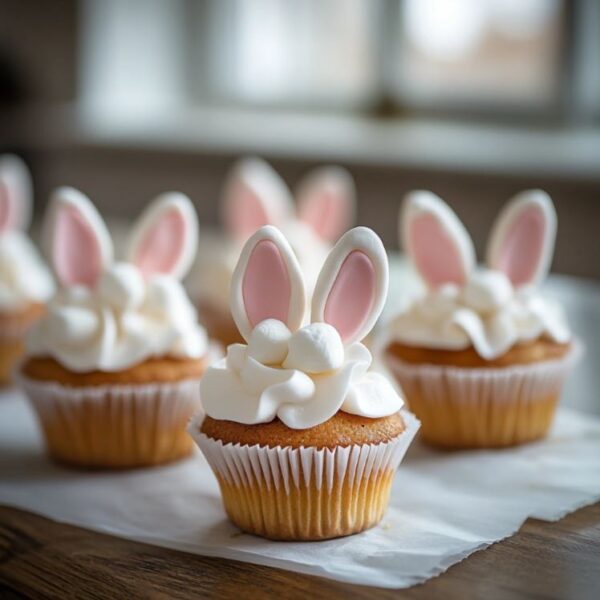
(474, 99)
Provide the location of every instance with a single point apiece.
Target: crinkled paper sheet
(444, 505)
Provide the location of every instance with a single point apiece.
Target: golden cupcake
(256, 195)
(25, 282)
(113, 368)
(303, 439)
(482, 355)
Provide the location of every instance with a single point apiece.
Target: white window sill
(567, 152)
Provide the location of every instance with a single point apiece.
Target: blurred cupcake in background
(113, 368)
(25, 282)
(304, 439)
(255, 195)
(483, 354)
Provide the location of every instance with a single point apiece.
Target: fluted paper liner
(116, 426)
(305, 493)
(483, 407)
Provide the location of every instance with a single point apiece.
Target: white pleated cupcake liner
(174, 399)
(137, 415)
(475, 386)
(286, 467)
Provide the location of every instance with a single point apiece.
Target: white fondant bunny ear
(255, 195)
(522, 240)
(267, 283)
(164, 239)
(77, 239)
(352, 286)
(16, 195)
(436, 240)
(327, 201)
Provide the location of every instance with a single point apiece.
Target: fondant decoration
(112, 315)
(16, 195)
(492, 307)
(302, 374)
(24, 278)
(256, 195)
(522, 239)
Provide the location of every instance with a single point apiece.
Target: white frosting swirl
(24, 278)
(487, 313)
(122, 322)
(302, 378)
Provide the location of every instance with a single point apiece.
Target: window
(303, 53)
(490, 53)
(480, 55)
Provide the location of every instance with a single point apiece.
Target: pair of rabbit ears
(256, 195)
(16, 194)
(163, 239)
(349, 294)
(521, 243)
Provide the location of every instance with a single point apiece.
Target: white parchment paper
(444, 505)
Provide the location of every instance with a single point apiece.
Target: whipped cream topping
(487, 313)
(210, 279)
(109, 315)
(123, 321)
(302, 378)
(302, 374)
(491, 308)
(24, 278)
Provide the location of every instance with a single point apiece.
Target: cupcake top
(297, 372)
(255, 195)
(492, 307)
(109, 315)
(24, 278)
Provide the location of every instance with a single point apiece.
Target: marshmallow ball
(316, 348)
(122, 286)
(268, 343)
(77, 295)
(487, 291)
(165, 295)
(439, 303)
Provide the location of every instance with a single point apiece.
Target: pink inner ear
(7, 209)
(244, 212)
(162, 245)
(436, 255)
(521, 250)
(352, 295)
(266, 287)
(76, 252)
(326, 213)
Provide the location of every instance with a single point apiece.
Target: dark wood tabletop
(40, 558)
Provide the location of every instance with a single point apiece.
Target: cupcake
(303, 439)
(255, 195)
(25, 282)
(482, 355)
(113, 368)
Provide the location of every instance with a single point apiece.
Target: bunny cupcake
(482, 356)
(25, 282)
(113, 368)
(303, 439)
(255, 195)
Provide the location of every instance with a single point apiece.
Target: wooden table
(41, 558)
